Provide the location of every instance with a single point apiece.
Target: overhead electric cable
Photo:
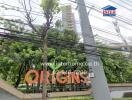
(99, 10)
(68, 47)
(53, 38)
(121, 5)
(127, 3)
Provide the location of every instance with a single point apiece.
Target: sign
(91, 75)
(109, 11)
(61, 77)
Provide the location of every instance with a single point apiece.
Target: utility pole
(121, 36)
(98, 80)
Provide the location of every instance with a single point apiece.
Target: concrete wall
(8, 92)
(6, 96)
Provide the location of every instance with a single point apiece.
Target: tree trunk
(19, 76)
(45, 50)
(39, 84)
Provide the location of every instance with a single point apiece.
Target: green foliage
(15, 53)
(58, 24)
(55, 67)
(51, 6)
(116, 65)
(76, 98)
(129, 72)
(66, 35)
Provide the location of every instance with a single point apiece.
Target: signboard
(61, 77)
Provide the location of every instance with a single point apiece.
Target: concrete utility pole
(99, 82)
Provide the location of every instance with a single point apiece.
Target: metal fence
(53, 88)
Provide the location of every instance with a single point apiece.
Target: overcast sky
(95, 17)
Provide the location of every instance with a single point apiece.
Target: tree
(17, 57)
(129, 74)
(50, 7)
(116, 66)
(25, 54)
(59, 24)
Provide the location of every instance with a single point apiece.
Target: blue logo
(109, 11)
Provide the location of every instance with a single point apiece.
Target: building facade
(68, 18)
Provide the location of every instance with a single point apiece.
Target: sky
(96, 19)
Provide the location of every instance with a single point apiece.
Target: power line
(110, 22)
(40, 14)
(16, 20)
(63, 40)
(125, 2)
(98, 10)
(129, 1)
(103, 30)
(60, 41)
(69, 47)
(119, 16)
(52, 43)
(13, 16)
(106, 39)
(96, 28)
(121, 5)
(79, 3)
(22, 10)
(99, 29)
(35, 3)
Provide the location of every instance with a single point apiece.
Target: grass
(123, 99)
(74, 98)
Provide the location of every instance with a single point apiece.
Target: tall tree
(50, 7)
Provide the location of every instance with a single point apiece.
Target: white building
(68, 18)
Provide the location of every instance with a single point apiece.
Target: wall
(6, 96)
